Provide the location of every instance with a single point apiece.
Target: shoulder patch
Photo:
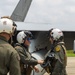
(57, 48)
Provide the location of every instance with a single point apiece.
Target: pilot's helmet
(56, 34)
(7, 25)
(23, 35)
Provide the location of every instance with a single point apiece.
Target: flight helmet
(23, 35)
(7, 25)
(56, 34)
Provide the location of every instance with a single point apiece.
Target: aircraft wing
(43, 26)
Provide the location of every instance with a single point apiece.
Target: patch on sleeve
(57, 48)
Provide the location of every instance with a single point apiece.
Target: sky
(60, 12)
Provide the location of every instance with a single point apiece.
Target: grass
(70, 53)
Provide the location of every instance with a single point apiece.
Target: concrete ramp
(71, 66)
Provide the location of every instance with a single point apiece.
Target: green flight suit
(60, 55)
(9, 59)
(26, 60)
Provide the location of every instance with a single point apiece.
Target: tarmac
(70, 66)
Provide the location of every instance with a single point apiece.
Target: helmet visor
(29, 39)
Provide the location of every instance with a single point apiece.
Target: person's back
(9, 58)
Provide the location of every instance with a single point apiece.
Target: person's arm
(59, 56)
(27, 59)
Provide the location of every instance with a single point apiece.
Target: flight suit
(9, 59)
(60, 56)
(26, 61)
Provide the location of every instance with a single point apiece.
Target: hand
(36, 69)
(40, 61)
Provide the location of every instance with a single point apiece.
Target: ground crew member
(27, 62)
(59, 58)
(9, 58)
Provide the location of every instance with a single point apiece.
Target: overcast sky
(44, 11)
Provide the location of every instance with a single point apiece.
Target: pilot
(59, 59)
(27, 63)
(9, 58)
